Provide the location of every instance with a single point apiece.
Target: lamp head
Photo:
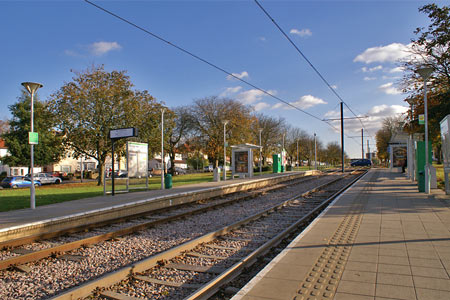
(32, 86)
(425, 72)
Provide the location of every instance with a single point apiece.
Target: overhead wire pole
(362, 143)
(342, 137)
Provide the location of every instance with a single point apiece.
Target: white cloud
(262, 39)
(365, 69)
(390, 53)
(389, 89)
(260, 106)
(369, 78)
(303, 102)
(242, 75)
(372, 120)
(230, 91)
(397, 70)
(101, 48)
(387, 111)
(334, 86)
(302, 33)
(252, 96)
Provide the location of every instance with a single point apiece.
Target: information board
(137, 160)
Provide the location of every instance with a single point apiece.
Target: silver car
(46, 178)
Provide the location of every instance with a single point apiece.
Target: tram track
(94, 232)
(61, 270)
(173, 274)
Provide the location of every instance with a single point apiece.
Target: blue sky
(354, 44)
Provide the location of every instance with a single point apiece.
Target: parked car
(361, 163)
(46, 178)
(179, 171)
(15, 182)
(120, 174)
(208, 168)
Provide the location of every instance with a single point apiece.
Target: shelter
(242, 160)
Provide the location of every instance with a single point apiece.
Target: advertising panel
(445, 136)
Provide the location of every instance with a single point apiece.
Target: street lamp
(162, 147)
(315, 152)
(260, 154)
(410, 155)
(225, 122)
(32, 87)
(425, 73)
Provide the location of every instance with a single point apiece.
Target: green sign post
(33, 138)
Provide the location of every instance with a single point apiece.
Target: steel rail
(60, 249)
(85, 289)
(212, 287)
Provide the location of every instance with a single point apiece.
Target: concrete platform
(26, 222)
(382, 239)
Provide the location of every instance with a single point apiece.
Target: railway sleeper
(117, 296)
(167, 283)
(193, 268)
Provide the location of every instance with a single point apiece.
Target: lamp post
(260, 153)
(315, 152)
(32, 87)
(410, 154)
(225, 122)
(425, 73)
(162, 147)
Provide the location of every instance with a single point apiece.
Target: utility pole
(362, 143)
(315, 152)
(342, 136)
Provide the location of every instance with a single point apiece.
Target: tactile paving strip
(321, 281)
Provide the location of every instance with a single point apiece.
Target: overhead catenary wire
(208, 63)
(307, 60)
(202, 59)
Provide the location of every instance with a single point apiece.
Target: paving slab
(399, 248)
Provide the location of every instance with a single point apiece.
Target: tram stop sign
(33, 138)
(421, 119)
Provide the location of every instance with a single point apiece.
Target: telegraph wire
(206, 62)
(307, 60)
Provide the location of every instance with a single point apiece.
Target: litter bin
(421, 181)
(168, 181)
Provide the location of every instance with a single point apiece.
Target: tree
(383, 136)
(208, 115)
(50, 148)
(431, 49)
(180, 124)
(96, 101)
(271, 134)
(332, 153)
(4, 126)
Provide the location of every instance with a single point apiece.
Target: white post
(427, 166)
(315, 152)
(298, 162)
(162, 148)
(32, 87)
(260, 153)
(425, 72)
(224, 152)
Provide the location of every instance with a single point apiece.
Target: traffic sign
(421, 119)
(122, 133)
(33, 138)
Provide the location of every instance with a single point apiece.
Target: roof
(2, 144)
(251, 146)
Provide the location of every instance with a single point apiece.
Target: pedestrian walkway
(382, 239)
